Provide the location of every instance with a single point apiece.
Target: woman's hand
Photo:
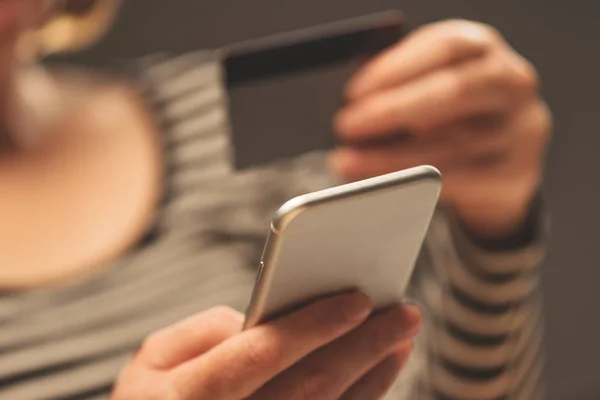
(328, 350)
(469, 105)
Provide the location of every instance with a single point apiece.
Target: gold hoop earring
(66, 33)
(29, 47)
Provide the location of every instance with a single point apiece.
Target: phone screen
(283, 91)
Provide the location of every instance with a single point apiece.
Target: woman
(121, 216)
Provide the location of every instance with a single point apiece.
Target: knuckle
(526, 77)
(264, 353)
(474, 34)
(503, 74)
(453, 45)
(514, 72)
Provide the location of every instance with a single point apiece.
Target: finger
(483, 86)
(190, 338)
(240, 366)
(427, 49)
(474, 143)
(377, 382)
(351, 163)
(330, 371)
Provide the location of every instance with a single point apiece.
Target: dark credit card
(284, 90)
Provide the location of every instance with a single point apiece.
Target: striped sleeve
(482, 339)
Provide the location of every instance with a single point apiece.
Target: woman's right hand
(331, 349)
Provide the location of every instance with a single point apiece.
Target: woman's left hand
(469, 105)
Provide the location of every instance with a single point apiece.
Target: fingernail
(414, 318)
(358, 86)
(406, 321)
(348, 121)
(351, 91)
(354, 306)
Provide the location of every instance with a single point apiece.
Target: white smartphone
(365, 236)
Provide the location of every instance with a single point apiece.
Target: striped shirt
(481, 339)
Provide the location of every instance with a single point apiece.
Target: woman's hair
(75, 24)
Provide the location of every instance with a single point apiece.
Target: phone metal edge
(292, 208)
(263, 281)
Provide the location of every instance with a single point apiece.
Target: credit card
(283, 91)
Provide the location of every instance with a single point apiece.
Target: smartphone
(283, 91)
(365, 235)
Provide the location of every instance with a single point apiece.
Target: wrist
(491, 223)
(499, 226)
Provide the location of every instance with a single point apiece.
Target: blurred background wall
(561, 38)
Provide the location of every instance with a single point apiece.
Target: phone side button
(259, 274)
